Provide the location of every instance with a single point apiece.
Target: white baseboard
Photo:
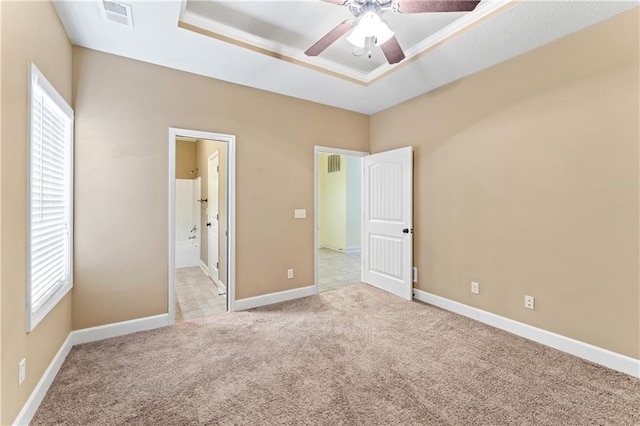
(222, 288)
(204, 268)
(268, 299)
(580, 349)
(102, 332)
(75, 338)
(353, 249)
(330, 247)
(36, 397)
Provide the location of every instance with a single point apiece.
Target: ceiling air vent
(116, 12)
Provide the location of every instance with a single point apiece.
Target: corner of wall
(43, 41)
(531, 183)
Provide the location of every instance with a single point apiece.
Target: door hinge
(218, 169)
(217, 217)
(217, 265)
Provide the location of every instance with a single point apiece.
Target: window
(50, 198)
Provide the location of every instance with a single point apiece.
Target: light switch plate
(300, 213)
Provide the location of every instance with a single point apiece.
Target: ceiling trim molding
(487, 10)
(451, 32)
(187, 22)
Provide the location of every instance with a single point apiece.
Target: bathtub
(187, 253)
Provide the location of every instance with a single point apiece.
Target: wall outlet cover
(529, 302)
(475, 287)
(289, 274)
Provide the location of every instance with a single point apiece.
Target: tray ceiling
(261, 43)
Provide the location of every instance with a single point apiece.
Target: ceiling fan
(370, 29)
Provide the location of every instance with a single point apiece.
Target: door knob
(208, 223)
(405, 231)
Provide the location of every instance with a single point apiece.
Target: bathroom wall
(185, 159)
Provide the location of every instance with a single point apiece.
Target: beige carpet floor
(354, 356)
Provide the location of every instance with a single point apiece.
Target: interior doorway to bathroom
(200, 202)
(338, 218)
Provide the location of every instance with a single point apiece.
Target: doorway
(386, 215)
(338, 218)
(201, 223)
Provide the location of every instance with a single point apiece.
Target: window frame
(37, 79)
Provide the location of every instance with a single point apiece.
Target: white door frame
(316, 214)
(216, 280)
(231, 213)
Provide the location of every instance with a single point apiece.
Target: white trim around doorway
(231, 213)
(316, 238)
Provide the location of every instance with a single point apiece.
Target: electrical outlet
(414, 274)
(300, 213)
(22, 371)
(475, 287)
(528, 302)
(289, 274)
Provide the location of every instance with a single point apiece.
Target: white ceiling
(291, 27)
(296, 25)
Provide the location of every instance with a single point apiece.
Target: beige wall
(526, 180)
(205, 148)
(127, 166)
(31, 32)
(185, 159)
(332, 200)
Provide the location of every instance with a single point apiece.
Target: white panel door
(213, 215)
(388, 221)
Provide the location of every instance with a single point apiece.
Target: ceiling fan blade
(392, 50)
(328, 39)
(425, 6)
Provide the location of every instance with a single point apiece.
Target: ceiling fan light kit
(370, 25)
(368, 28)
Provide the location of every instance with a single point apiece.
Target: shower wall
(187, 223)
(187, 229)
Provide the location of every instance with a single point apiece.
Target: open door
(388, 221)
(213, 219)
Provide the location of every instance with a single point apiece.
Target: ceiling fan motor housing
(360, 7)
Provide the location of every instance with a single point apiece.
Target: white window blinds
(50, 198)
